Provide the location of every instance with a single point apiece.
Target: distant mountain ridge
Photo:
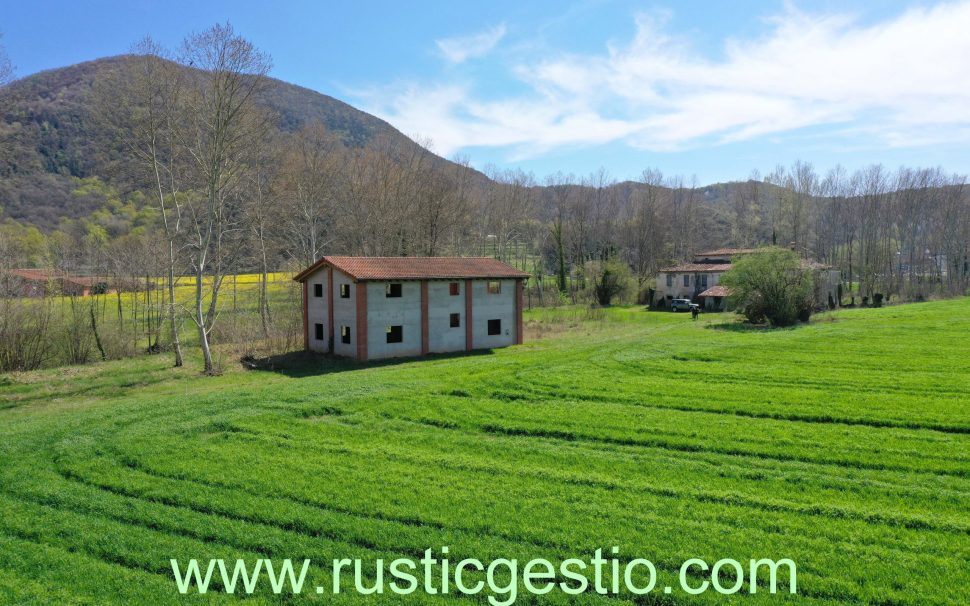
(47, 135)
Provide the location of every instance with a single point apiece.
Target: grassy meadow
(843, 445)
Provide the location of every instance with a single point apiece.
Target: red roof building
(699, 281)
(43, 282)
(382, 307)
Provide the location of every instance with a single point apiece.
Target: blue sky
(710, 89)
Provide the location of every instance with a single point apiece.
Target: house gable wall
(487, 307)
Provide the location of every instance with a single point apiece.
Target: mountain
(48, 136)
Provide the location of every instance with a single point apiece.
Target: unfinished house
(370, 308)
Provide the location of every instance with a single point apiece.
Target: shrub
(771, 285)
(25, 333)
(608, 280)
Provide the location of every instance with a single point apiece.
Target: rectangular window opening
(318, 332)
(455, 320)
(395, 334)
(393, 290)
(453, 289)
(345, 334)
(318, 290)
(494, 327)
(494, 287)
(670, 280)
(345, 291)
(686, 279)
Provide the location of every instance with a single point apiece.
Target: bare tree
(310, 179)
(141, 107)
(264, 214)
(441, 204)
(685, 216)
(563, 189)
(222, 127)
(746, 216)
(645, 232)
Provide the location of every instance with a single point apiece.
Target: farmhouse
(699, 281)
(370, 308)
(45, 282)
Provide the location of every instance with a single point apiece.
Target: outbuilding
(371, 308)
(700, 281)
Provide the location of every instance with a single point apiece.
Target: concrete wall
(383, 311)
(441, 304)
(344, 314)
(317, 310)
(487, 307)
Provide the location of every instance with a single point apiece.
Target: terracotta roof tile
(722, 252)
(45, 275)
(697, 267)
(416, 268)
(715, 291)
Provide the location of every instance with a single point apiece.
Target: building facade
(700, 280)
(371, 308)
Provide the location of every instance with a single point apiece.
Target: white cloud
(461, 48)
(904, 81)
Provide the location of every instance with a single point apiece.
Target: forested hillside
(50, 132)
(322, 177)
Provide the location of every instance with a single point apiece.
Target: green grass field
(843, 445)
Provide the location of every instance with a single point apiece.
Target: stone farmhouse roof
(416, 268)
(724, 252)
(687, 268)
(45, 275)
(716, 291)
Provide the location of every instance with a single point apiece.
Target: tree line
(221, 192)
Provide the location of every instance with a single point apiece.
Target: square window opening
(494, 327)
(494, 287)
(395, 334)
(393, 290)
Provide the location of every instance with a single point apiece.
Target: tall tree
(310, 178)
(562, 189)
(222, 128)
(141, 107)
